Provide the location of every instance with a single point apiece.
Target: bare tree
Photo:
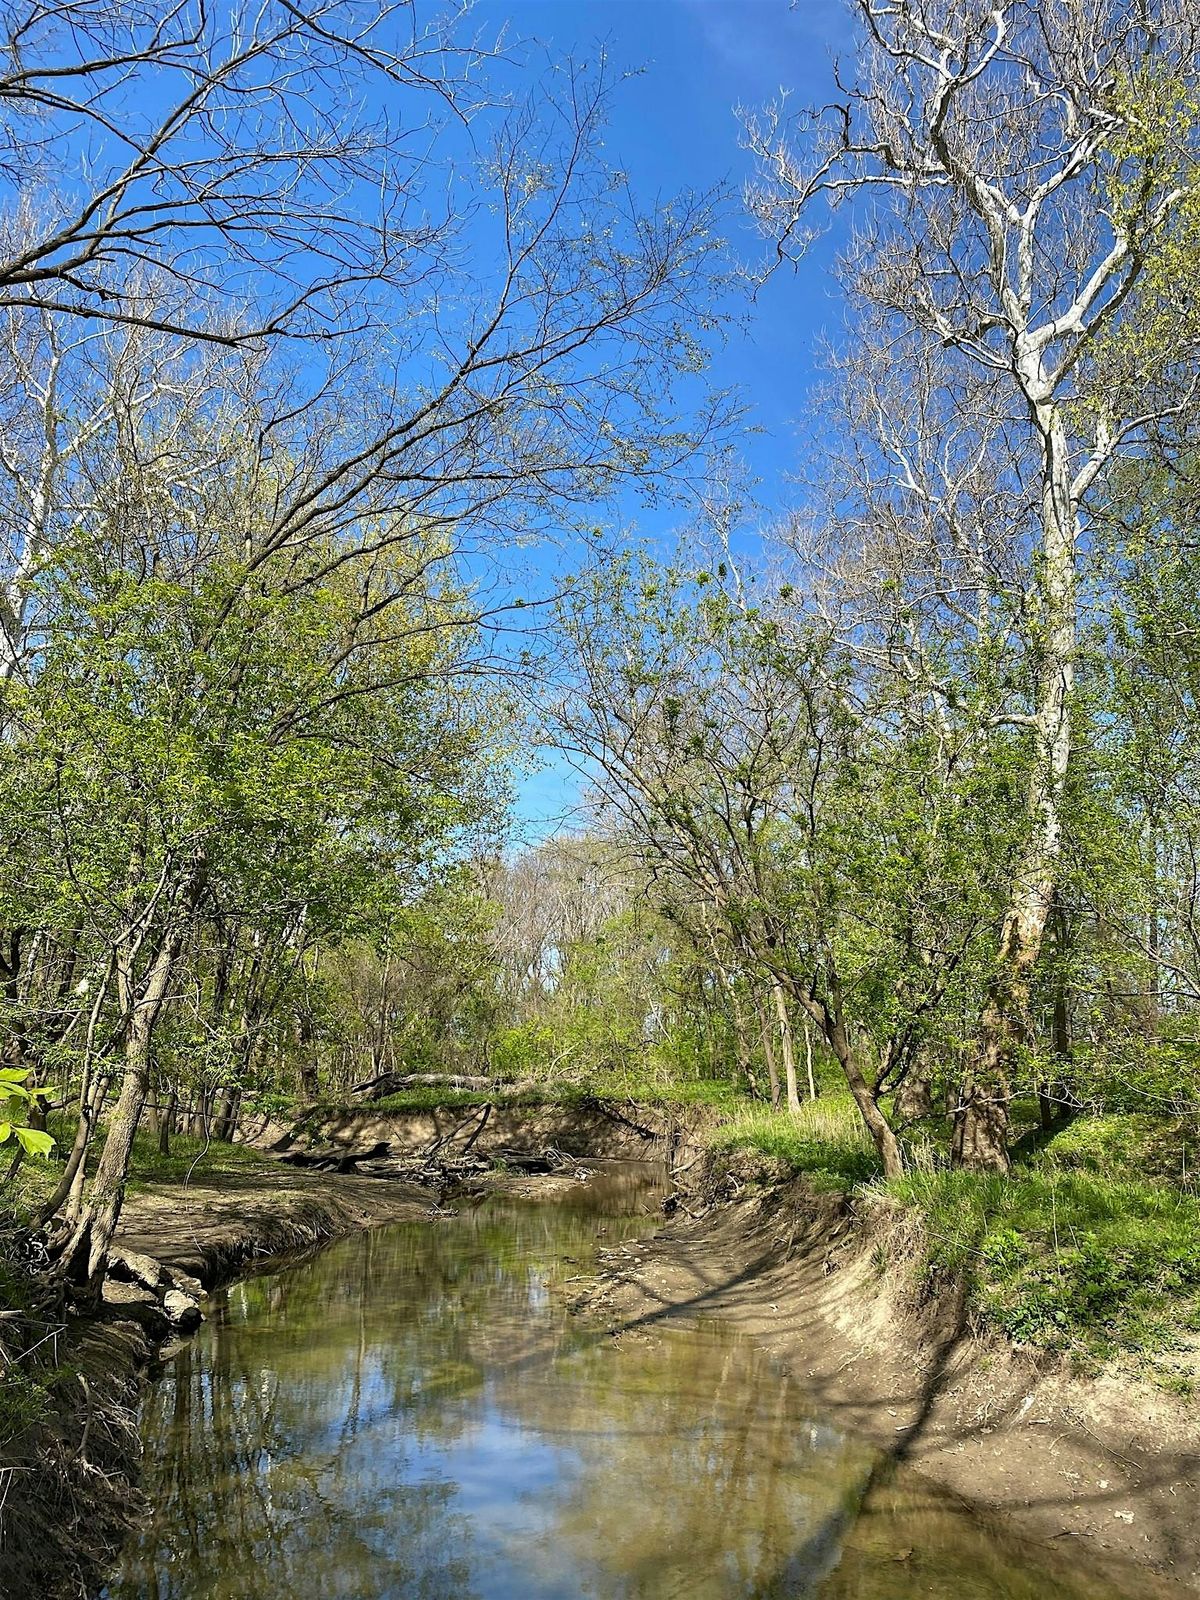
(241, 150)
(1020, 208)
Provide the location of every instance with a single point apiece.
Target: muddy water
(411, 1414)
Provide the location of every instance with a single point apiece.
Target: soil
(214, 1228)
(1110, 1464)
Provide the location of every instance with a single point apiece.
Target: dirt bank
(1110, 1463)
(599, 1129)
(68, 1492)
(215, 1228)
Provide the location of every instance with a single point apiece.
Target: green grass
(37, 1179)
(1069, 1261)
(1091, 1249)
(825, 1140)
(196, 1158)
(1133, 1145)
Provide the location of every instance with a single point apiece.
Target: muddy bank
(599, 1129)
(68, 1491)
(1108, 1466)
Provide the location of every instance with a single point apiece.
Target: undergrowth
(1066, 1260)
(1090, 1249)
(825, 1140)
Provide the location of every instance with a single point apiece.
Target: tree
(1020, 207)
(222, 154)
(234, 568)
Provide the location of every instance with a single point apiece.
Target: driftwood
(334, 1160)
(393, 1082)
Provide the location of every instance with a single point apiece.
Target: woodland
(319, 325)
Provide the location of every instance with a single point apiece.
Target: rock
(134, 1267)
(185, 1283)
(116, 1293)
(182, 1310)
(133, 1302)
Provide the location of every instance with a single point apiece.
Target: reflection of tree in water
(268, 1487)
(281, 1444)
(694, 1472)
(407, 1415)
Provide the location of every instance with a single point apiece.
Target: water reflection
(409, 1414)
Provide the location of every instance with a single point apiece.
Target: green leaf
(5, 1132)
(34, 1142)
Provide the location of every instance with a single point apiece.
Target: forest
(337, 353)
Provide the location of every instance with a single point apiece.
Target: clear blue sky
(675, 126)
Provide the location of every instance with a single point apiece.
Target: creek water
(412, 1415)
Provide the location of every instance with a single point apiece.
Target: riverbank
(829, 1285)
(68, 1485)
(836, 1280)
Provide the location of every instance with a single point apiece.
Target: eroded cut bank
(831, 1287)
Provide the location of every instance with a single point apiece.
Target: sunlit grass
(1070, 1261)
(825, 1140)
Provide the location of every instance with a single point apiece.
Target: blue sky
(675, 126)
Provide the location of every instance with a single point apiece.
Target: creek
(412, 1414)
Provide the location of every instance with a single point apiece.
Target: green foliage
(1069, 1261)
(826, 1141)
(25, 1401)
(16, 1096)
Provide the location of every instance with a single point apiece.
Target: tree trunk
(742, 1047)
(86, 1253)
(882, 1137)
(981, 1119)
(166, 1126)
(788, 1045)
(768, 1045)
(226, 1120)
(828, 1018)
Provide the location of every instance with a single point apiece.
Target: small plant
(16, 1097)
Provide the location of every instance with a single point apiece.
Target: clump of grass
(825, 1140)
(1068, 1261)
(1132, 1145)
(720, 1094)
(25, 1400)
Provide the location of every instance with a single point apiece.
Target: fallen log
(333, 1159)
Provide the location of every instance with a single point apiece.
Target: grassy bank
(188, 1158)
(1091, 1248)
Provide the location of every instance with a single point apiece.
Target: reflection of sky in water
(410, 1416)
